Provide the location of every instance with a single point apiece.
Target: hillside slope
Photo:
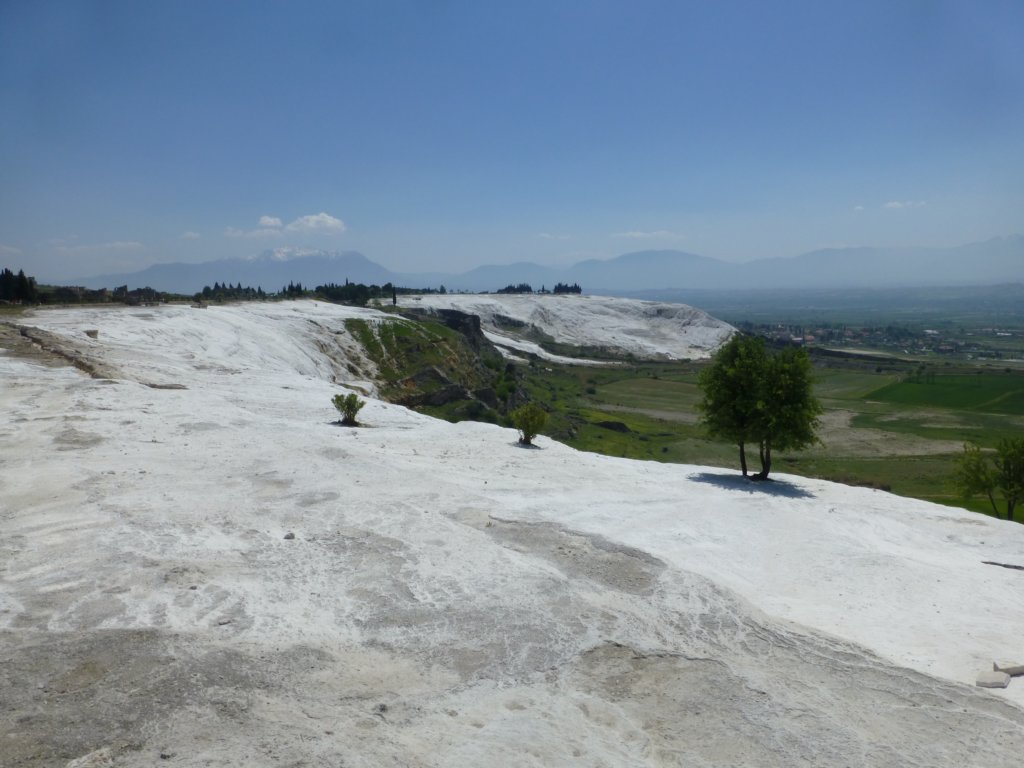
(594, 324)
(199, 567)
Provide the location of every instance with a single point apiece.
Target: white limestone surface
(645, 329)
(450, 598)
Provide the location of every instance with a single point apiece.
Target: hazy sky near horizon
(444, 135)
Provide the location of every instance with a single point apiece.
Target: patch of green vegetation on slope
(425, 364)
(919, 477)
(608, 411)
(653, 393)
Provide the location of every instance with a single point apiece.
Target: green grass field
(985, 429)
(850, 385)
(981, 392)
(652, 394)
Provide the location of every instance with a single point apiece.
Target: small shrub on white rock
(348, 406)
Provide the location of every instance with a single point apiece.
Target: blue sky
(444, 135)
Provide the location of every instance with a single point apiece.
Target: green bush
(348, 406)
(529, 420)
(1001, 474)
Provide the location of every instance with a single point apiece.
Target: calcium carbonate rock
(993, 680)
(1012, 668)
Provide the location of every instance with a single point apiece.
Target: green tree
(973, 475)
(731, 384)
(18, 287)
(26, 287)
(529, 420)
(751, 396)
(1009, 461)
(790, 410)
(348, 406)
(977, 473)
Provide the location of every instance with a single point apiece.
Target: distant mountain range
(998, 260)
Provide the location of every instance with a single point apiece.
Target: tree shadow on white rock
(732, 482)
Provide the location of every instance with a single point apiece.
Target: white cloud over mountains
(897, 204)
(660, 234)
(271, 226)
(319, 222)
